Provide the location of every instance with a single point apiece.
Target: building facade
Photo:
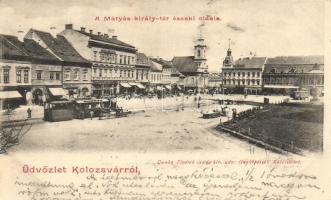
(243, 75)
(113, 61)
(76, 71)
(46, 70)
(286, 74)
(15, 73)
(194, 68)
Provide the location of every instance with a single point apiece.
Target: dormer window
(274, 70)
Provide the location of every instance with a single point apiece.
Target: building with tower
(243, 75)
(194, 68)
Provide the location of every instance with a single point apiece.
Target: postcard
(162, 100)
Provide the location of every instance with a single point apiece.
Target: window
(85, 75)
(243, 74)
(57, 75)
(243, 82)
(6, 75)
(248, 74)
(39, 74)
(26, 76)
(100, 72)
(95, 72)
(129, 57)
(121, 71)
(234, 73)
(76, 75)
(258, 82)
(19, 76)
(199, 53)
(253, 74)
(51, 75)
(120, 59)
(258, 74)
(67, 75)
(95, 55)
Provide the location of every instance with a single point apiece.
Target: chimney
(20, 35)
(106, 35)
(82, 29)
(91, 31)
(99, 33)
(53, 31)
(69, 26)
(114, 37)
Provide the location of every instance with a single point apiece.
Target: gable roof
(253, 62)
(185, 64)
(142, 59)
(62, 48)
(164, 63)
(10, 51)
(34, 52)
(319, 59)
(102, 38)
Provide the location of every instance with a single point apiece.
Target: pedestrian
(91, 114)
(29, 111)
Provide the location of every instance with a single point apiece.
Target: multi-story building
(143, 68)
(15, 73)
(76, 71)
(194, 68)
(215, 82)
(113, 61)
(166, 72)
(287, 73)
(156, 77)
(46, 70)
(244, 75)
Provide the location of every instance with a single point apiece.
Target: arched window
(199, 52)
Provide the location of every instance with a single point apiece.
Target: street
(149, 131)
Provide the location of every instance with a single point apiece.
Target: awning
(57, 91)
(168, 87)
(159, 88)
(126, 85)
(139, 85)
(281, 86)
(9, 95)
(132, 83)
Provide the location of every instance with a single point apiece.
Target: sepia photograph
(203, 99)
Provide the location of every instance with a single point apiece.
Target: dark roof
(32, 50)
(175, 72)
(164, 63)
(62, 48)
(253, 62)
(142, 59)
(105, 39)
(185, 64)
(10, 51)
(296, 60)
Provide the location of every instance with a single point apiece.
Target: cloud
(235, 27)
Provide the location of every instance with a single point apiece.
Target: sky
(266, 28)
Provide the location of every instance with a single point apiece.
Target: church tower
(200, 55)
(228, 61)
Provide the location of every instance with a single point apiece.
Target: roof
(142, 59)
(185, 64)
(10, 51)
(253, 62)
(295, 64)
(62, 48)
(33, 50)
(319, 59)
(164, 63)
(156, 67)
(102, 38)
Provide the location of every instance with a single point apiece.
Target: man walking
(29, 111)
